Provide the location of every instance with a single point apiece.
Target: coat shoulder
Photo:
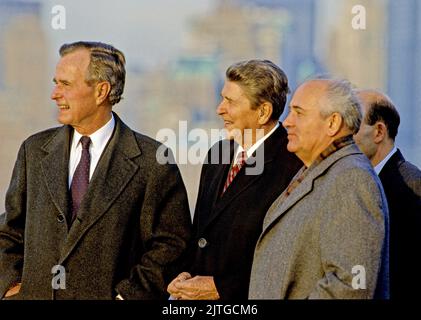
(354, 169)
(157, 154)
(146, 142)
(40, 138)
(411, 175)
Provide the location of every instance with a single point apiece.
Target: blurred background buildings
(177, 54)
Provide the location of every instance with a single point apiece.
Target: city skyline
(177, 55)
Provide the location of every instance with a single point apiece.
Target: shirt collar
(99, 137)
(256, 144)
(381, 164)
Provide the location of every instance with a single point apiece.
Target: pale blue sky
(127, 25)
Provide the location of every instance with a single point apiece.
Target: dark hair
(106, 64)
(384, 110)
(262, 81)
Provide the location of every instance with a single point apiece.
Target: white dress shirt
(381, 164)
(99, 140)
(256, 144)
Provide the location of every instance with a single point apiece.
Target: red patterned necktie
(241, 159)
(80, 180)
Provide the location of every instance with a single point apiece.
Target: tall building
(279, 30)
(298, 57)
(24, 82)
(404, 72)
(359, 55)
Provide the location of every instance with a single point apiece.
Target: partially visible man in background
(89, 199)
(402, 184)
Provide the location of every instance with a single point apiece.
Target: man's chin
(231, 134)
(63, 120)
(291, 148)
(236, 138)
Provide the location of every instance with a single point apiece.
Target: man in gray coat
(326, 236)
(90, 212)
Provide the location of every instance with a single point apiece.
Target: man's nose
(55, 94)
(287, 121)
(221, 108)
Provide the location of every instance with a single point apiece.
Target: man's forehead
(232, 89)
(369, 97)
(310, 94)
(79, 58)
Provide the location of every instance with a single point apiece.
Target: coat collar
(55, 168)
(279, 207)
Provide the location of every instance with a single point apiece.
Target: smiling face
(235, 109)
(76, 99)
(307, 129)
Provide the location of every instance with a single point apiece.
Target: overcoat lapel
(55, 167)
(219, 173)
(114, 171)
(242, 181)
(280, 206)
(391, 166)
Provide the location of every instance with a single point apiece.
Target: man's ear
(380, 132)
(334, 124)
(265, 112)
(102, 90)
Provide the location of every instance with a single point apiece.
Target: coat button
(60, 218)
(202, 243)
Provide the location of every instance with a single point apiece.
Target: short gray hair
(343, 100)
(106, 64)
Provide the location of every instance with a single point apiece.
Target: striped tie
(239, 163)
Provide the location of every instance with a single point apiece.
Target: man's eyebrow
(226, 97)
(60, 81)
(295, 107)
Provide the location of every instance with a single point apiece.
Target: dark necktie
(236, 167)
(80, 180)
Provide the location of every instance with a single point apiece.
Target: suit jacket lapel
(219, 172)
(391, 165)
(113, 172)
(55, 167)
(243, 181)
(280, 206)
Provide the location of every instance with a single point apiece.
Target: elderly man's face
(75, 99)
(235, 109)
(306, 127)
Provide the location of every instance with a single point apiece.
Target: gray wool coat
(314, 243)
(133, 223)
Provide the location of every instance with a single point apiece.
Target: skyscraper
(359, 55)
(298, 54)
(404, 72)
(23, 81)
